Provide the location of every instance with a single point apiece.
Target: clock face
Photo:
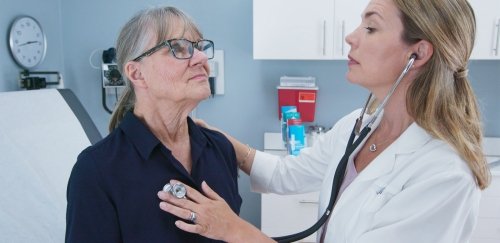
(27, 42)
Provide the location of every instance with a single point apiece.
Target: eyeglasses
(182, 48)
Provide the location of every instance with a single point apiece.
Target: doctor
(417, 176)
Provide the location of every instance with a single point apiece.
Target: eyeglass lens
(183, 49)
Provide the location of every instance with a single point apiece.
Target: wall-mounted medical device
(112, 80)
(29, 81)
(111, 77)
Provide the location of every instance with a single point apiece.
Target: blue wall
(79, 30)
(49, 15)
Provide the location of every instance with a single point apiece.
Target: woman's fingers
(209, 192)
(191, 193)
(180, 202)
(204, 124)
(192, 228)
(214, 217)
(175, 210)
(201, 123)
(197, 226)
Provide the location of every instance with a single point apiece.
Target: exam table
(41, 134)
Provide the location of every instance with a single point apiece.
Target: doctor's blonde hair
(133, 40)
(441, 99)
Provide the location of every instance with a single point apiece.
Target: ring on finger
(192, 217)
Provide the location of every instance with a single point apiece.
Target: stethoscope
(179, 190)
(352, 144)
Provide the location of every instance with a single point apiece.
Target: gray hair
(134, 37)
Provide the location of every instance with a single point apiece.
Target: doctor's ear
(133, 72)
(423, 51)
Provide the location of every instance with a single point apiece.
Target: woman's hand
(204, 124)
(214, 217)
(244, 156)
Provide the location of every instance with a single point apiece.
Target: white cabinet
(292, 29)
(284, 215)
(304, 30)
(316, 29)
(487, 29)
(488, 224)
(347, 19)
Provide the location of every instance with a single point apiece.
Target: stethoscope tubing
(350, 147)
(337, 181)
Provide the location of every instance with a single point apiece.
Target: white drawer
(488, 228)
(484, 240)
(489, 207)
(494, 189)
(284, 215)
(488, 225)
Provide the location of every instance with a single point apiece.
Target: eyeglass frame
(162, 44)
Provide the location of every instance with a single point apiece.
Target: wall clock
(27, 42)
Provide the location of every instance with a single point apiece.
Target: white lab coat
(418, 190)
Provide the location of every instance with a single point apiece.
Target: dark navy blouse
(113, 185)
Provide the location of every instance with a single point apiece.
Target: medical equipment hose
(351, 146)
(337, 182)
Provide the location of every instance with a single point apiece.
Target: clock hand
(28, 42)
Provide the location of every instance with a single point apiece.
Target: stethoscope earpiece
(352, 144)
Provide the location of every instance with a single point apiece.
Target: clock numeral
(19, 32)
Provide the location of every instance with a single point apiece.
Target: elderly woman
(417, 175)
(112, 189)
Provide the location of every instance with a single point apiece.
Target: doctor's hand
(213, 216)
(245, 159)
(203, 123)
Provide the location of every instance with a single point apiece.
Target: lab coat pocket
(378, 197)
(381, 194)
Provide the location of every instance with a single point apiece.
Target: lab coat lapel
(381, 165)
(352, 199)
(413, 138)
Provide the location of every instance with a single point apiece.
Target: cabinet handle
(324, 37)
(497, 37)
(308, 201)
(343, 37)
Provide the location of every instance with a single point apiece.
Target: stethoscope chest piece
(178, 190)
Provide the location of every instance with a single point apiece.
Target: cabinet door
(293, 29)
(283, 215)
(347, 19)
(488, 223)
(290, 214)
(488, 29)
